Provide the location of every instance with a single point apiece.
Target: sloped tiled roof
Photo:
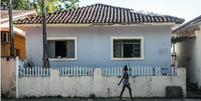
(4, 13)
(100, 13)
(189, 34)
(198, 19)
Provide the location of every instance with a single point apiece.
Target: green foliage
(51, 5)
(67, 4)
(16, 4)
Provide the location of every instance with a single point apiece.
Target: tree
(51, 5)
(17, 4)
(67, 4)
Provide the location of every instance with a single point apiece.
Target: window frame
(128, 37)
(64, 38)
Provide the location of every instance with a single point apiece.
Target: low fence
(86, 71)
(63, 71)
(83, 81)
(34, 71)
(75, 71)
(135, 71)
(98, 85)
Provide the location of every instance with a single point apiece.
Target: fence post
(109, 71)
(65, 71)
(44, 71)
(160, 71)
(142, 70)
(145, 70)
(86, 70)
(62, 71)
(133, 71)
(80, 71)
(69, 71)
(29, 71)
(36, 71)
(138, 70)
(121, 73)
(156, 70)
(112, 71)
(32, 71)
(41, 71)
(117, 71)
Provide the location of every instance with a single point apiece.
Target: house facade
(101, 36)
(19, 34)
(188, 48)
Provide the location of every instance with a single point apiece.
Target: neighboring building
(101, 36)
(19, 34)
(187, 43)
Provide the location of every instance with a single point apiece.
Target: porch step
(192, 87)
(194, 94)
(193, 90)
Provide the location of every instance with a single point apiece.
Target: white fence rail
(135, 70)
(34, 71)
(76, 71)
(86, 71)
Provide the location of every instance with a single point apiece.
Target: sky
(187, 9)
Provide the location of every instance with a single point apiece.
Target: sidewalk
(98, 99)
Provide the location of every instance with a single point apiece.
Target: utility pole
(12, 53)
(45, 54)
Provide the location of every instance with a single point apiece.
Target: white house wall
(94, 45)
(192, 49)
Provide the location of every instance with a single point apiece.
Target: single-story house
(19, 34)
(187, 47)
(101, 35)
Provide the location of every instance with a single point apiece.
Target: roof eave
(93, 24)
(191, 22)
(19, 16)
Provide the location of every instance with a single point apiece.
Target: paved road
(97, 99)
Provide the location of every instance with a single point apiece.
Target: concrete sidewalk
(98, 99)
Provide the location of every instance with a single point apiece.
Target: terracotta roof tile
(100, 13)
(4, 13)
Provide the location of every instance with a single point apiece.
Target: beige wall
(98, 85)
(8, 77)
(19, 43)
(190, 49)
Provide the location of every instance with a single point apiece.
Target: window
(5, 37)
(62, 48)
(127, 48)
